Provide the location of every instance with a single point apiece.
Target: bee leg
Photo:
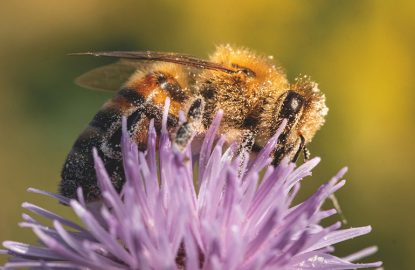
(306, 152)
(187, 129)
(300, 149)
(248, 141)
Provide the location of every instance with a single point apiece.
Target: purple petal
(208, 143)
(330, 262)
(58, 197)
(340, 236)
(30, 251)
(361, 254)
(99, 232)
(49, 215)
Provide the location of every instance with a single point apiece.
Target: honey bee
(252, 91)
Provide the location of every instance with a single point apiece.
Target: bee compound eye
(293, 102)
(290, 106)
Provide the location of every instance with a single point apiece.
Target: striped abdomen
(140, 100)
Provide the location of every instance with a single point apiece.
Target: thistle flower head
(228, 217)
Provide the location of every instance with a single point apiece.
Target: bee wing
(109, 77)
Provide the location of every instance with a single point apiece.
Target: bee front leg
(302, 148)
(187, 129)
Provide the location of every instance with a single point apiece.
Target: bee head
(315, 109)
(303, 106)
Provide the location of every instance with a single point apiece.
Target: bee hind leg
(188, 128)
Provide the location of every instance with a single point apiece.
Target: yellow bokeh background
(362, 53)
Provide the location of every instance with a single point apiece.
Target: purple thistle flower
(164, 220)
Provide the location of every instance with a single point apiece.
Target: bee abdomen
(78, 170)
(104, 134)
(132, 96)
(138, 102)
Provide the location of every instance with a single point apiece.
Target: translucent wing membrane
(109, 77)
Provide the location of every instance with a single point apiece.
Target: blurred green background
(362, 53)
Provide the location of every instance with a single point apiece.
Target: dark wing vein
(177, 58)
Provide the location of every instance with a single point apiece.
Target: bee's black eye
(291, 106)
